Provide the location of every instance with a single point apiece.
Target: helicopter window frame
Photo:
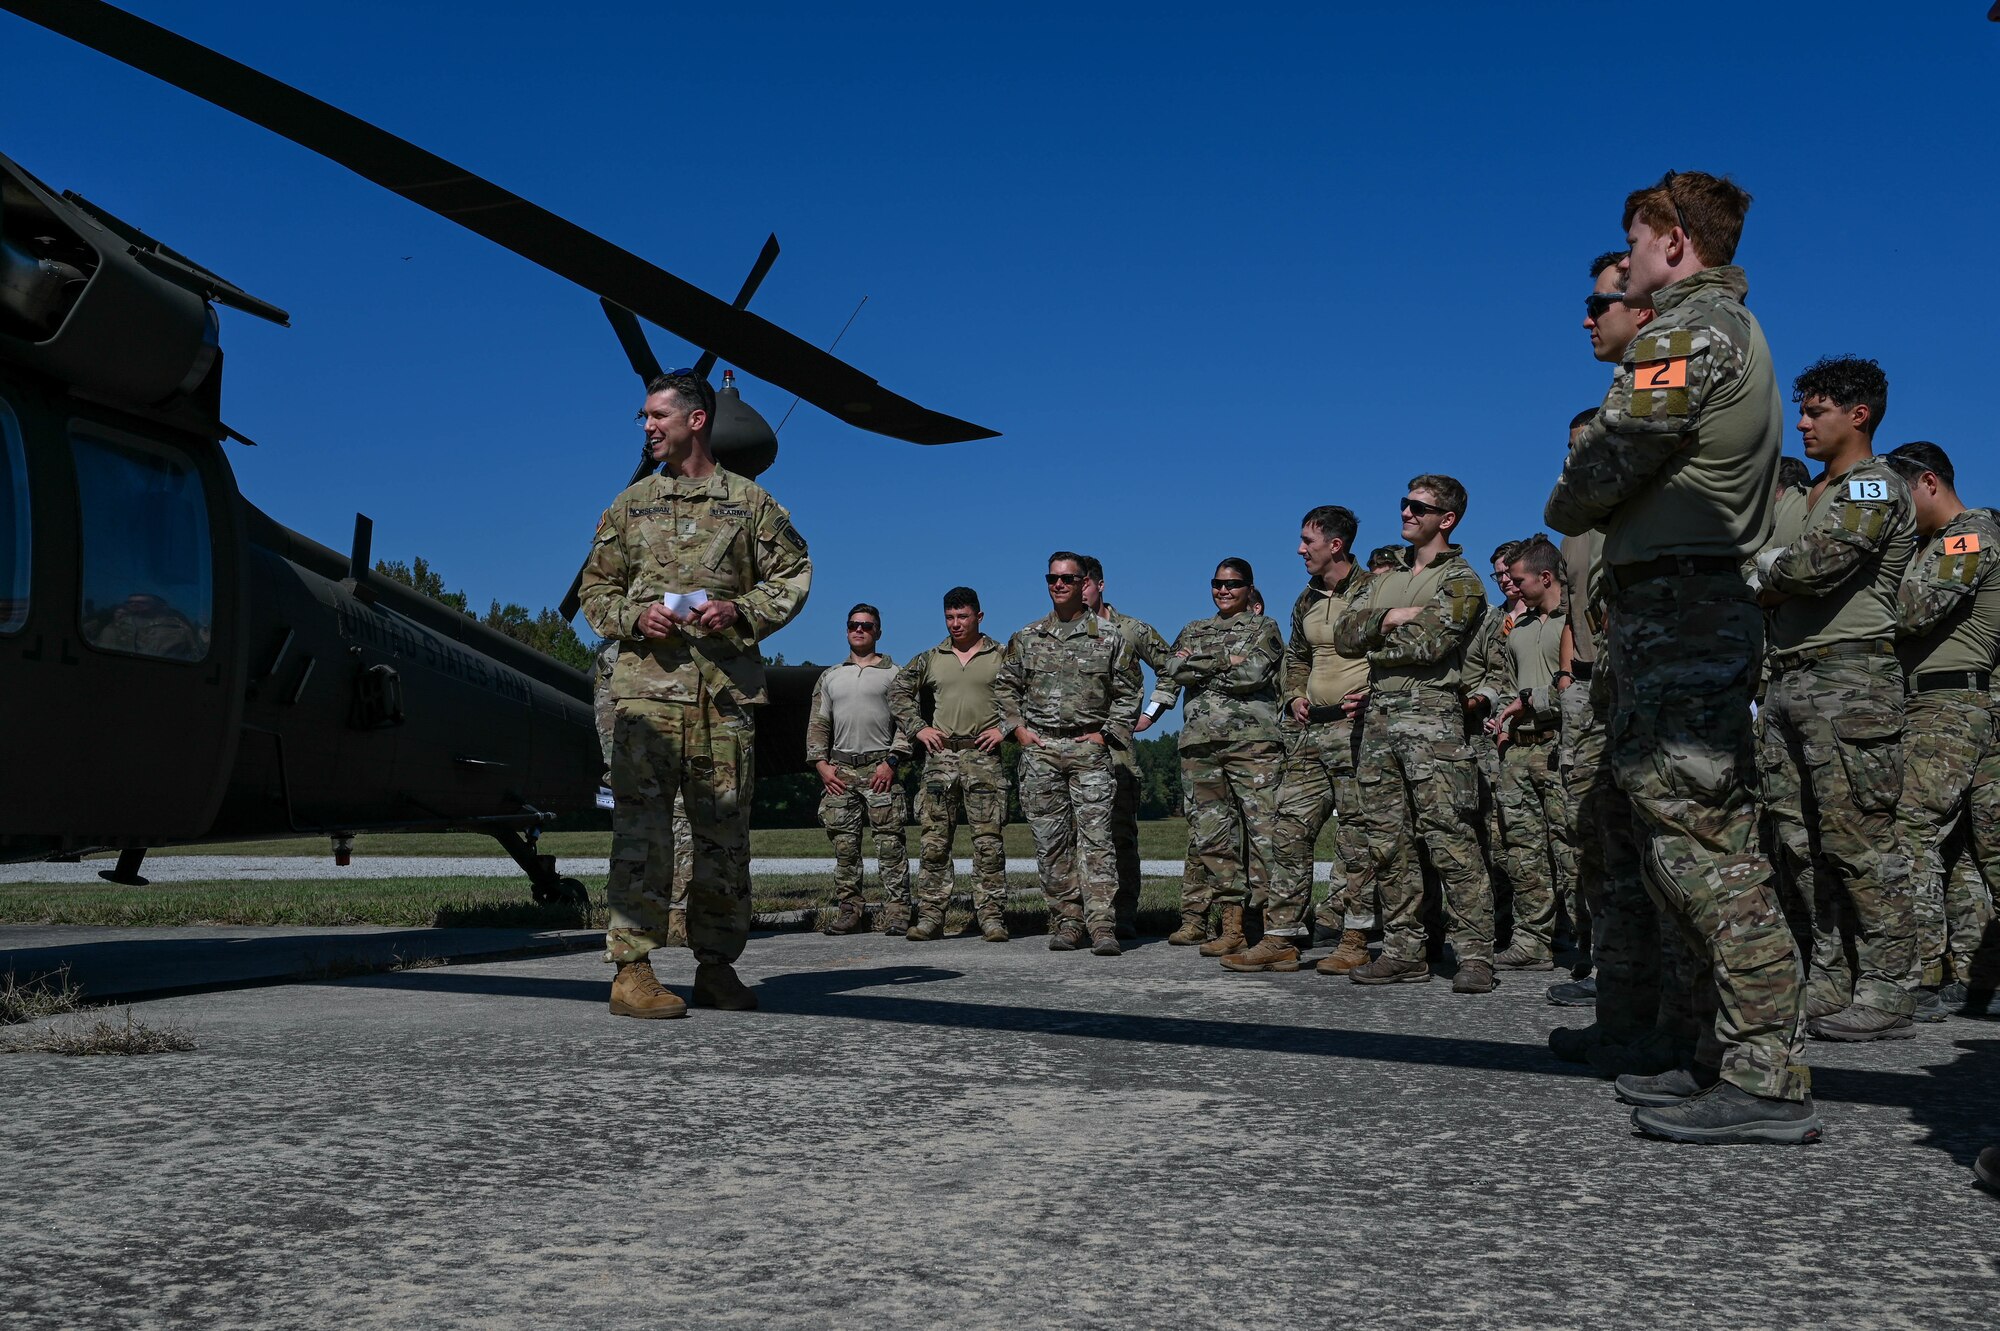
(188, 641)
(18, 590)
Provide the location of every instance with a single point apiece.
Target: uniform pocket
(1871, 753)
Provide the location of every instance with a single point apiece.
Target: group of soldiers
(1735, 729)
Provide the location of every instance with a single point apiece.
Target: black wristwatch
(1561, 677)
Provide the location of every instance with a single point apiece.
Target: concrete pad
(297, 868)
(960, 1134)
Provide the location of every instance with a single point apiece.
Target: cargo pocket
(1871, 753)
(1456, 767)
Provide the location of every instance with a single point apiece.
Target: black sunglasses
(855, 625)
(1230, 583)
(1595, 304)
(1073, 579)
(1420, 508)
(1679, 216)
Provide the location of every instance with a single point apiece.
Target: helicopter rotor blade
(541, 237)
(765, 258)
(632, 339)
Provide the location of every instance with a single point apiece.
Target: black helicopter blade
(765, 258)
(632, 339)
(450, 191)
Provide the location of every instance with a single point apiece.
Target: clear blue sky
(1204, 267)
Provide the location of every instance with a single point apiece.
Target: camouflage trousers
(973, 778)
(1125, 836)
(1232, 794)
(1647, 973)
(1492, 837)
(1949, 818)
(705, 752)
(1067, 788)
(1535, 821)
(1419, 783)
(1683, 655)
(1830, 760)
(859, 809)
(1318, 778)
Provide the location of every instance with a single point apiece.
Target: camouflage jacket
(1682, 457)
(1148, 648)
(1843, 571)
(1301, 653)
(1949, 603)
(871, 729)
(1428, 650)
(1063, 680)
(1230, 674)
(720, 534)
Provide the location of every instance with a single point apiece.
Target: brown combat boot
(1474, 977)
(1104, 942)
(1193, 930)
(677, 928)
(716, 986)
(1352, 952)
(1230, 941)
(849, 921)
(896, 918)
(1386, 969)
(925, 930)
(993, 929)
(637, 992)
(1272, 953)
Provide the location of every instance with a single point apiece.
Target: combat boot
(1474, 977)
(1667, 1088)
(1352, 952)
(1574, 993)
(1386, 969)
(1574, 1044)
(925, 930)
(677, 928)
(1856, 1023)
(1930, 1007)
(1104, 942)
(716, 986)
(993, 929)
(1272, 953)
(1522, 957)
(849, 921)
(637, 992)
(1727, 1115)
(1193, 930)
(1230, 941)
(896, 917)
(1067, 936)
(1652, 1053)
(1819, 1003)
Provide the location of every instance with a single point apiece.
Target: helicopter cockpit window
(146, 557)
(15, 548)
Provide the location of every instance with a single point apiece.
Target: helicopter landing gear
(126, 874)
(549, 887)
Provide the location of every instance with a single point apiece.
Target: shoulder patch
(1868, 489)
(1966, 543)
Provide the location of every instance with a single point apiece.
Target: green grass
(1164, 839)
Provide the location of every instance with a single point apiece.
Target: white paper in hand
(684, 603)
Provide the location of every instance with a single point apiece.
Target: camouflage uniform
(1679, 476)
(1948, 609)
(1230, 752)
(1148, 647)
(1830, 733)
(959, 772)
(1486, 675)
(1063, 681)
(1417, 778)
(1318, 776)
(861, 807)
(1534, 802)
(607, 716)
(685, 724)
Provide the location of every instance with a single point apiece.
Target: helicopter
(178, 667)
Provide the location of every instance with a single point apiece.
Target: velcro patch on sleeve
(1869, 489)
(1966, 544)
(1660, 374)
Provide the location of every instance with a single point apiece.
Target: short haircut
(691, 389)
(1383, 554)
(860, 606)
(1912, 460)
(1583, 418)
(1793, 474)
(1240, 567)
(1504, 552)
(1092, 569)
(1713, 208)
(1846, 381)
(1255, 600)
(1537, 554)
(1335, 523)
(1608, 259)
(1071, 557)
(1450, 494)
(961, 598)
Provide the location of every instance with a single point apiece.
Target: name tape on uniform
(1670, 373)
(1868, 489)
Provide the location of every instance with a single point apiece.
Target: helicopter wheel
(574, 893)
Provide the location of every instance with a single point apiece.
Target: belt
(961, 741)
(1783, 661)
(1064, 732)
(1534, 736)
(1669, 566)
(1319, 716)
(1580, 670)
(862, 759)
(1934, 681)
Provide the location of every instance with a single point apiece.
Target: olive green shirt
(1582, 557)
(1315, 669)
(1949, 602)
(1842, 573)
(961, 692)
(1534, 654)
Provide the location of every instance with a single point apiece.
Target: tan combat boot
(677, 928)
(1352, 952)
(716, 986)
(637, 992)
(1193, 930)
(927, 929)
(1230, 941)
(993, 929)
(849, 921)
(896, 917)
(1272, 953)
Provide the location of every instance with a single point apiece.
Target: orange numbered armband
(1968, 544)
(1669, 373)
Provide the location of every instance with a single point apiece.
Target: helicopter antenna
(829, 346)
